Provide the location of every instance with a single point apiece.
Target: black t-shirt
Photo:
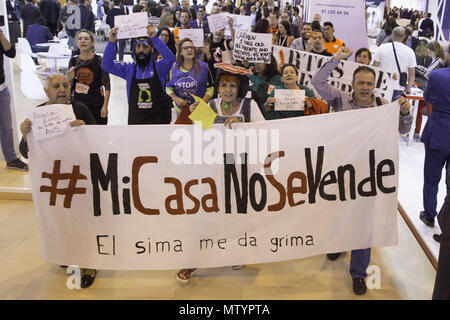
(91, 77)
(81, 113)
(216, 49)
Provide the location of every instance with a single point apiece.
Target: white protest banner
(196, 35)
(252, 47)
(288, 189)
(289, 100)
(132, 25)
(348, 19)
(341, 78)
(51, 120)
(217, 22)
(240, 22)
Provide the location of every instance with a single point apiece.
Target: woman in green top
(289, 78)
(265, 78)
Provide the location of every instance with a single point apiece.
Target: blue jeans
(6, 130)
(121, 44)
(359, 262)
(435, 160)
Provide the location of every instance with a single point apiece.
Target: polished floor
(406, 272)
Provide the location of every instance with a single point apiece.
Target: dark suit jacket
(111, 14)
(14, 12)
(427, 24)
(29, 15)
(50, 10)
(205, 27)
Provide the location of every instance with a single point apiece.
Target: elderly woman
(232, 106)
(289, 76)
(57, 89)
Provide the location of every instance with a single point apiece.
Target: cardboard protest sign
(240, 22)
(132, 25)
(217, 22)
(196, 35)
(289, 100)
(252, 47)
(50, 121)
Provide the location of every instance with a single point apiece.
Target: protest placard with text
(132, 25)
(50, 120)
(252, 47)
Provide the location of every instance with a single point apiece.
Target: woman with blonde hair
(165, 21)
(90, 84)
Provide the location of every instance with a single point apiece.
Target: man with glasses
(147, 101)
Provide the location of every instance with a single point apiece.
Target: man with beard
(302, 42)
(147, 101)
(185, 20)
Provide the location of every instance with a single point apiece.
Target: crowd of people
(167, 71)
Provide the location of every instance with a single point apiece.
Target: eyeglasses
(165, 35)
(187, 48)
(142, 43)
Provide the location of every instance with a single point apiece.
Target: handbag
(403, 79)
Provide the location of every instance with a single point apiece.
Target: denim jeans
(6, 130)
(359, 262)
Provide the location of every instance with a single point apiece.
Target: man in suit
(435, 137)
(29, 14)
(427, 25)
(13, 10)
(50, 11)
(116, 11)
(200, 22)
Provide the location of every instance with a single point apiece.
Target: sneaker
(333, 256)
(17, 165)
(359, 286)
(428, 221)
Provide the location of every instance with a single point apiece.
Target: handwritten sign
(196, 35)
(131, 26)
(217, 22)
(289, 100)
(252, 47)
(50, 121)
(240, 22)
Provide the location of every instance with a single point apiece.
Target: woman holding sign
(232, 106)
(284, 34)
(90, 84)
(265, 78)
(188, 77)
(310, 105)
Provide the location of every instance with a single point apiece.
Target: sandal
(87, 278)
(184, 275)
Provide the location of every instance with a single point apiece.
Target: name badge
(81, 88)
